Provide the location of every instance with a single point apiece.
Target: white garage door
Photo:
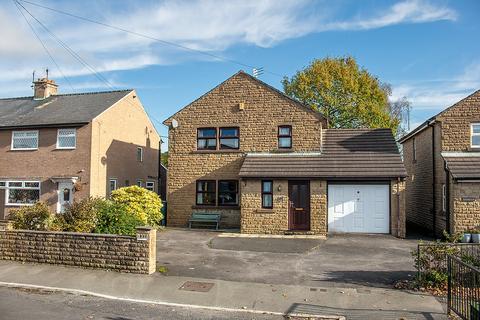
(358, 208)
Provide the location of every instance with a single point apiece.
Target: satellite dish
(174, 123)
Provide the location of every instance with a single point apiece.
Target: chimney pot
(44, 88)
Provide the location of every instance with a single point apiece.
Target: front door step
(299, 232)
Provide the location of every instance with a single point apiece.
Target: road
(40, 304)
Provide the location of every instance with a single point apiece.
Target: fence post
(449, 285)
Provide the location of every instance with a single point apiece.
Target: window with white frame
(22, 192)
(25, 140)
(112, 185)
(67, 138)
(139, 154)
(444, 198)
(150, 185)
(140, 183)
(475, 133)
(3, 184)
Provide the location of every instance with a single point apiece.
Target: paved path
(358, 303)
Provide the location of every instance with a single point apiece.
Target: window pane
(206, 198)
(210, 144)
(23, 196)
(267, 200)
(15, 184)
(226, 186)
(229, 143)
(206, 186)
(285, 142)
(284, 131)
(228, 132)
(227, 192)
(25, 140)
(267, 186)
(476, 128)
(207, 133)
(66, 138)
(476, 141)
(32, 184)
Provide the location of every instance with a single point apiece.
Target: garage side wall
(397, 208)
(466, 206)
(256, 220)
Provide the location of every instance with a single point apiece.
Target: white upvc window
(25, 140)
(150, 185)
(21, 193)
(475, 135)
(140, 183)
(112, 185)
(139, 154)
(67, 138)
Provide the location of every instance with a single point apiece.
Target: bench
(205, 219)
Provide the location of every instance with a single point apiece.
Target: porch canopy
(346, 154)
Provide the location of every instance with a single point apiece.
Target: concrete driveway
(339, 261)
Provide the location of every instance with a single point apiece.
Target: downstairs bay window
(22, 192)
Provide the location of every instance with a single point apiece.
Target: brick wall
(419, 200)
(275, 221)
(113, 252)
(264, 110)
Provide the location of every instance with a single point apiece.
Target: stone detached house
(57, 148)
(442, 158)
(269, 164)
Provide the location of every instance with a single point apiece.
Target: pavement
(347, 261)
(225, 296)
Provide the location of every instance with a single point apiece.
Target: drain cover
(196, 286)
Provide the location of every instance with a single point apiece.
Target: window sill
(217, 207)
(65, 148)
(18, 204)
(33, 149)
(218, 151)
(265, 210)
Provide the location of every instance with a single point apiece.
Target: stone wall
(113, 252)
(419, 191)
(466, 205)
(264, 109)
(397, 208)
(256, 220)
(456, 122)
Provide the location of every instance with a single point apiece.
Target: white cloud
(208, 25)
(440, 93)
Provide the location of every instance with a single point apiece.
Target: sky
(429, 51)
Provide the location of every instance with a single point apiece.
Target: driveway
(339, 261)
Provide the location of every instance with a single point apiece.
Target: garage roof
(463, 167)
(347, 153)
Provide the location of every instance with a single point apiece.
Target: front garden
(126, 209)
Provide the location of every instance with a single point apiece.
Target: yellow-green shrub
(140, 202)
(36, 217)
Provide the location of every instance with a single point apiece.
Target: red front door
(299, 205)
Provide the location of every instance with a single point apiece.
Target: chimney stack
(44, 88)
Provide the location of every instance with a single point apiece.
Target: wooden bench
(205, 219)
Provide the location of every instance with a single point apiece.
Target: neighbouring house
(442, 158)
(57, 148)
(269, 165)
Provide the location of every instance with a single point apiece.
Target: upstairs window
(475, 130)
(139, 154)
(267, 194)
(227, 192)
(112, 185)
(67, 138)
(25, 140)
(206, 192)
(150, 185)
(207, 139)
(285, 137)
(229, 138)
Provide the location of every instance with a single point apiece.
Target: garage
(359, 208)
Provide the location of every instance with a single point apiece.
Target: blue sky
(427, 50)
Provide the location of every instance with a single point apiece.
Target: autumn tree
(347, 94)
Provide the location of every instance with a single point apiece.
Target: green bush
(114, 218)
(36, 217)
(80, 216)
(140, 202)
